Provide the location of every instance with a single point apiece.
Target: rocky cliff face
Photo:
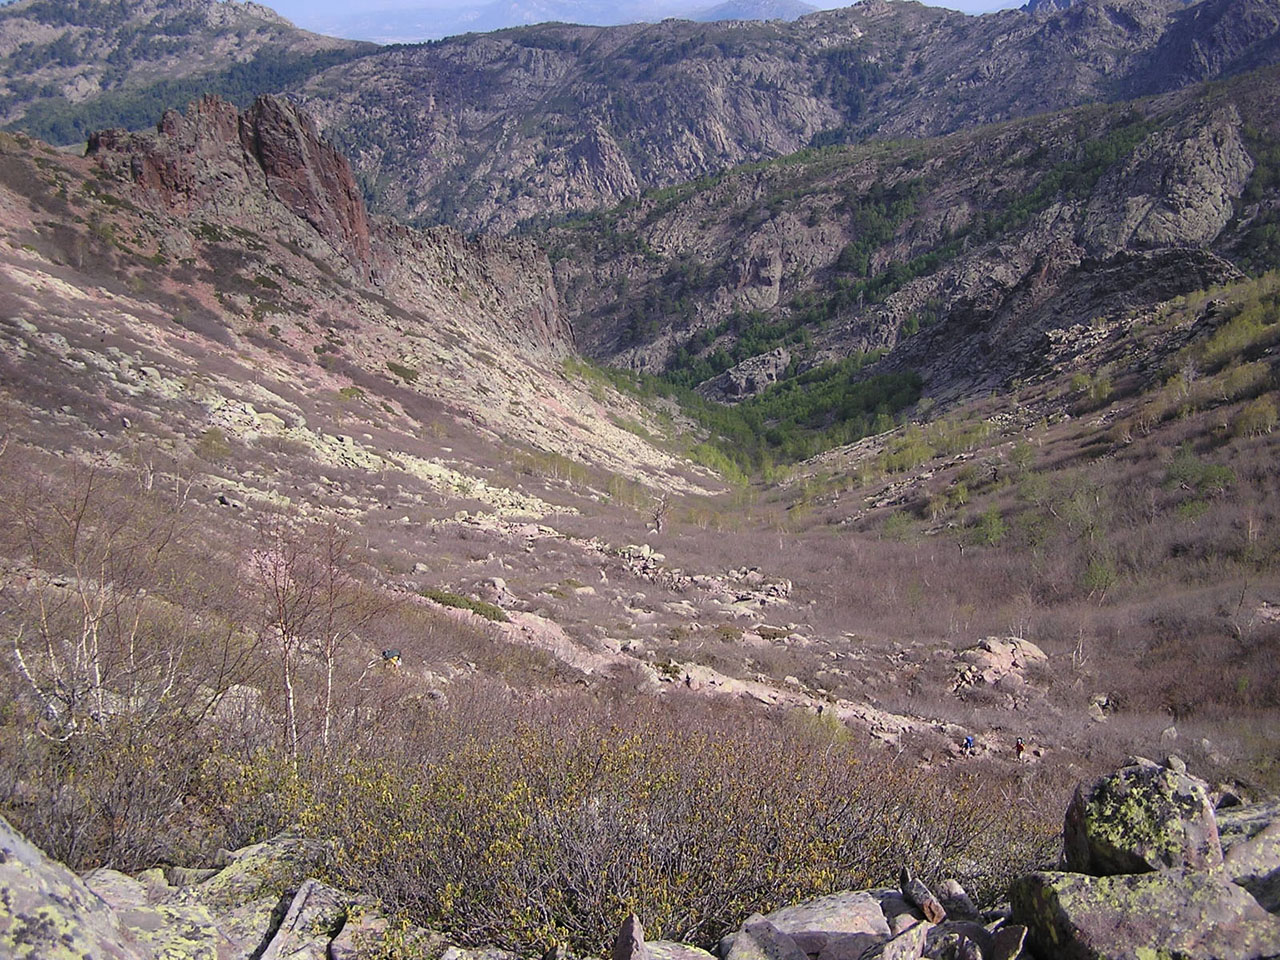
(216, 160)
(267, 168)
(957, 255)
(488, 131)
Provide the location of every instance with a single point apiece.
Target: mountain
(754, 10)
(957, 256)
(493, 131)
(498, 131)
(68, 68)
(414, 24)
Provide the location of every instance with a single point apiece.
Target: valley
(766, 475)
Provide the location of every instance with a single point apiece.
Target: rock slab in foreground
(1171, 915)
(48, 913)
(840, 926)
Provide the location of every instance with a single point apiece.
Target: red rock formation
(306, 173)
(217, 159)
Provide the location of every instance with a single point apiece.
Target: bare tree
(289, 593)
(83, 643)
(343, 608)
(313, 603)
(660, 507)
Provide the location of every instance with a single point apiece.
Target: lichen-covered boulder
(317, 912)
(1141, 818)
(1252, 860)
(251, 894)
(670, 950)
(48, 913)
(1170, 915)
(166, 931)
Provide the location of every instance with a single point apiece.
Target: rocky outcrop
(1145, 874)
(996, 660)
(306, 173)
(48, 913)
(216, 159)
(749, 377)
(1179, 188)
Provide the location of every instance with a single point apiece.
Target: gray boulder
(48, 913)
(761, 940)
(840, 926)
(670, 950)
(1254, 863)
(908, 945)
(629, 943)
(1144, 817)
(1173, 914)
(317, 912)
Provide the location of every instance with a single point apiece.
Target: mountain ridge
(566, 118)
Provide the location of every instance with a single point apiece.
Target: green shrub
(552, 832)
(1256, 418)
(407, 374)
(487, 610)
(990, 528)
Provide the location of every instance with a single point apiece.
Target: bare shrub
(554, 826)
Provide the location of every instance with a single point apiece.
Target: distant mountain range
(414, 24)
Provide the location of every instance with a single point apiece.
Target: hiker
(968, 746)
(1019, 748)
(391, 658)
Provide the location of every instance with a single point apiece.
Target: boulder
(1175, 913)
(921, 896)
(956, 902)
(317, 912)
(1144, 817)
(1007, 942)
(1254, 864)
(836, 927)
(629, 943)
(48, 913)
(670, 950)
(165, 929)
(761, 940)
(251, 893)
(908, 945)
(994, 659)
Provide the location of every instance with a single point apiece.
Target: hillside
(496, 131)
(962, 258)
(417, 556)
(490, 131)
(69, 68)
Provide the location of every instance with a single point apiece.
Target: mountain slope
(67, 68)
(489, 131)
(958, 255)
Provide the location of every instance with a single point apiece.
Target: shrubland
(169, 691)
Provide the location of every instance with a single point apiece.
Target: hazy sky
(317, 14)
